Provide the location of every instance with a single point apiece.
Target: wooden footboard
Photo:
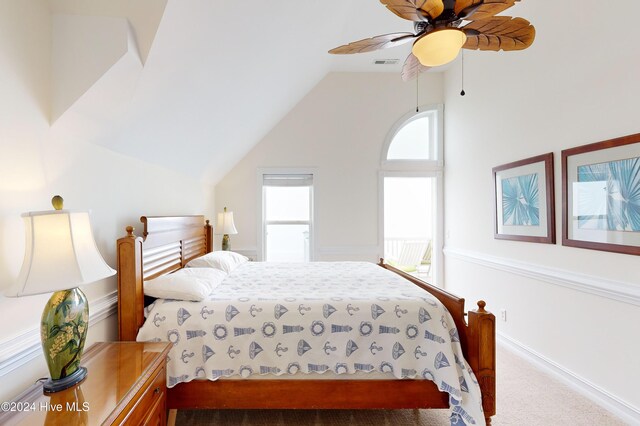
(168, 243)
(307, 394)
(477, 337)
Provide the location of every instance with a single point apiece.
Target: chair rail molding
(19, 350)
(622, 409)
(616, 290)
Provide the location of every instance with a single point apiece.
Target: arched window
(415, 139)
(411, 219)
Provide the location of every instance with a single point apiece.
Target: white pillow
(213, 277)
(184, 284)
(226, 261)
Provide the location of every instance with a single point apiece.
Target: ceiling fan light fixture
(439, 47)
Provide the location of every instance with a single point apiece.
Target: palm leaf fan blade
(489, 8)
(412, 68)
(374, 43)
(405, 9)
(465, 4)
(499, 33)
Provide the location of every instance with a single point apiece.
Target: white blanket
(347, 317)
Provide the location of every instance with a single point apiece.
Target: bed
(169, 243)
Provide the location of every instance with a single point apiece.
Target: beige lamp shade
(60, 254)
(224, 224)
(439, 47)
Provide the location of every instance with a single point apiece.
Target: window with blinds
(287, 201)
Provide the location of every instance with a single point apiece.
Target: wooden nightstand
(126, 384)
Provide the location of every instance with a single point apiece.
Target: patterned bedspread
(347, 317)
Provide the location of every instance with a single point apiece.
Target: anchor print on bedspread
(315, 318)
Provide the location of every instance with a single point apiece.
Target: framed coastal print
(524, 209)
(601, 195)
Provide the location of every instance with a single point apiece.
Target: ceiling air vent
(385, 61)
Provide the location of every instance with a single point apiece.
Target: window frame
(261, 219)
(418, 168)
(435, 114)
(437, 242)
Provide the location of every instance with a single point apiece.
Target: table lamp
(225, 226)
(60, 255)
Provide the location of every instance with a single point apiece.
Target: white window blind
(287, 221)
(287, 180)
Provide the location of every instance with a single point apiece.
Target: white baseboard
(19, 350)
(599, 286)
(625, 411)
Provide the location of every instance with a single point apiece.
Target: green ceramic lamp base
(63, 333)
(225, 242)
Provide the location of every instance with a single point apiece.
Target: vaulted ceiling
(218, 75)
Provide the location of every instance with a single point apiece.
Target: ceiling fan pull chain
(462, 93)
(417, 102)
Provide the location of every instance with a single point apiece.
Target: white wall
(34, 166)
(338, 128)
(576, 85)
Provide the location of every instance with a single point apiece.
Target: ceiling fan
(438, 35)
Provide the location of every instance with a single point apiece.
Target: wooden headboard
(166, 245)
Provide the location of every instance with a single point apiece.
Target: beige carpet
(525, 396)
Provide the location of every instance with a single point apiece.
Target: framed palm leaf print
(524, 208)
(601, 195)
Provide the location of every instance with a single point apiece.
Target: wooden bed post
(482, 355)
(130, 292)
(208, 231)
